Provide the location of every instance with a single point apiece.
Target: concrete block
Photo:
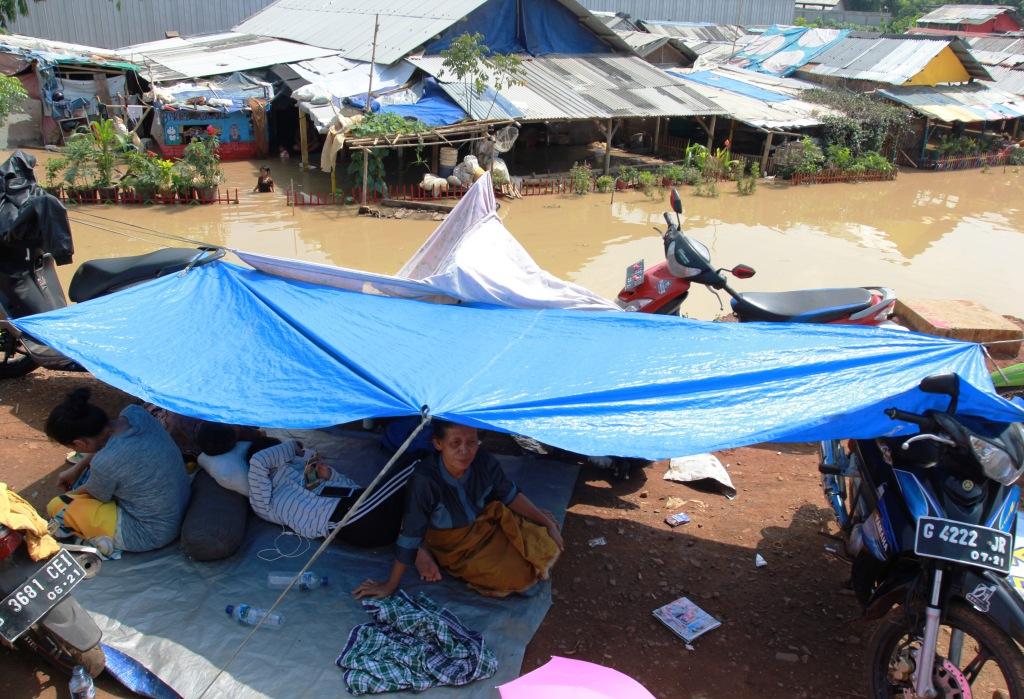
(961, 320)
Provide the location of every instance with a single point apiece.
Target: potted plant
(108, 145)
(627, 177)
(144, 174)
(54, 169)
(605, 183)
(202, 160)
(183, 178)
(80, 173)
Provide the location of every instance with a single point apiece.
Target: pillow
(214, 523)
(229, 469)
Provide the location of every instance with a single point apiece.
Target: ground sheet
(168, 613)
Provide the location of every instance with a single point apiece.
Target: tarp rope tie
(424, 421)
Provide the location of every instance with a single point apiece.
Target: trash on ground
(686, 619)
(675, 503)
(597, 541)
(759, 560)
(701, 467)
(677, 519)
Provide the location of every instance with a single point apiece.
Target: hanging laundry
(412, 644)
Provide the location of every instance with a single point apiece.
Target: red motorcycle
(664, 287)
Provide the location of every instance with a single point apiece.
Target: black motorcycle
(929, 522)
(35, 237)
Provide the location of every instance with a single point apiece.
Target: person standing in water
(265, 183)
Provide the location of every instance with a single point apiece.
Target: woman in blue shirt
(464, 513)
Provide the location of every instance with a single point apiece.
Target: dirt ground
(790, 629)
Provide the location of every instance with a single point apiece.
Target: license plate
(634, 275)
(47, 586)
(964, 543)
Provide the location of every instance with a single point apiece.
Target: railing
(829, 176)
(220, 196)
(966, 162)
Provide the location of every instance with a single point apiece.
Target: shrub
(580, 178)
(647, 181)
(707, 187)
(873, 162)
(802, 156)
(629, 174)
(1016, 156)
(839, 157)
(605, 183)
(692, 176)
(746, 186)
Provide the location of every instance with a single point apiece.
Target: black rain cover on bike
(29, 215)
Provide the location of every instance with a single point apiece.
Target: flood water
(931, 235)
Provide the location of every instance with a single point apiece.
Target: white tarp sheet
(471, 258)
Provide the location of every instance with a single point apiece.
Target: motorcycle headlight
(636, 304)
(995, 463)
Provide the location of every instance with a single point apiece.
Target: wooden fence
(222, 196)
(829, 176)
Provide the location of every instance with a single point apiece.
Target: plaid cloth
(412, 644)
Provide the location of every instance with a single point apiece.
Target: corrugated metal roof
(745, 12)
(782, 111)
(997, 58)
(347, 25)
(643, 43)
(1007, 44)
(615, 21)
(964, 14)
(1007, 80)
(62, 52)
(695, 32)
(968, 103)
(888, 59)
(113, 24)
(175, 59)
(584, 87)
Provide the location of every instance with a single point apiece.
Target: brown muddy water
(944, 235)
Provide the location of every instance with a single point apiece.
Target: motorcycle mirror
(742, 271)
(943, 384)
(676, 201)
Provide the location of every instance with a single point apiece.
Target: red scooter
(664, 287)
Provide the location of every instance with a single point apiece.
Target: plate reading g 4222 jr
(969, 544)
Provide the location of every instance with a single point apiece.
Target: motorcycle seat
(804, 306)
(98, 277)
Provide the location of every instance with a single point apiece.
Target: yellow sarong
(85, 515)
(17, 513)
(499, 554)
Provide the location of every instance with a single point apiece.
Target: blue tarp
(782, 50)
(235, 345)
(537, 27)
(712, 79)
(434, 108)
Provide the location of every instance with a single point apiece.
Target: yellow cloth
(500, 553)
(85, 515)
(16, 513)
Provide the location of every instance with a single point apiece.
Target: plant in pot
(80, 174)
(605, 183)
(144, 174)
(107, 145)
(183, 180)
(627, 177)
(54, 169)
(202, 159)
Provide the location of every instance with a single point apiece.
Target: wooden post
(435, 159)
(1016, 126)
(732, 128)
(608, 148)
(924, 140)
(373, 61)
(366, 174)
(764, 155)
(303, 141)
(657, 134)
(711, 131)
(334, 180)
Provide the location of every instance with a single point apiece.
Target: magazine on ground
(686, 619)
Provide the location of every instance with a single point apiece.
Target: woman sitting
(131, 490)
(472, 520)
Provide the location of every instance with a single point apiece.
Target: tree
(12, 93)
(475, 65)
(10, 10)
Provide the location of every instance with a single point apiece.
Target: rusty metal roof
(582, 87)
(965, 14)
(967, 103)
(889, 59)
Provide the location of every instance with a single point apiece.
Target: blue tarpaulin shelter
(236, 345)
(434, 107)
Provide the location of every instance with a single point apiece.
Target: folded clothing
(412, 644)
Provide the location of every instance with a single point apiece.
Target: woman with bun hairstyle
(130, 491)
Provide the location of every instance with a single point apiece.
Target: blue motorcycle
(929, 522)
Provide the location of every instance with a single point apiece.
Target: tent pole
(303, 140)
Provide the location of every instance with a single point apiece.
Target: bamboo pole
(366, 109)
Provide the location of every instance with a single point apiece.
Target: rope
(425, 419)
(150, 231)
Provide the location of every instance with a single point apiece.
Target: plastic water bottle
(81, 686)
(278, 580)
(244, 614)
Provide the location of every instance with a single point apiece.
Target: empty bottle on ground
(244, 614)
(279, 580)
(81, 686)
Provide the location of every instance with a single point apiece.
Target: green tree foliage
(869, 123)
(476, 66)
(12, 94)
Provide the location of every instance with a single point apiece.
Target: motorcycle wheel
(14, 361)
(990, 663)
(58, 654)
